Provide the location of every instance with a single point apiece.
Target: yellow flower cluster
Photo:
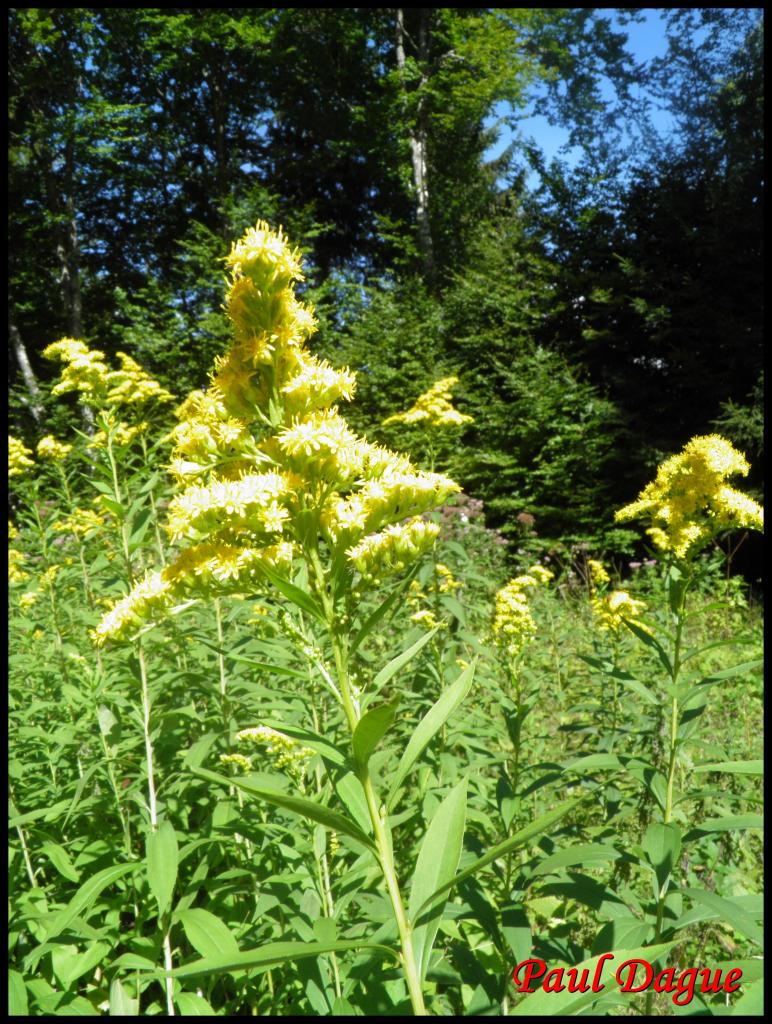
(15, 572)
(81, 522)
(612, 609)
(19, 460)
(513, 624)
(689, 502)
(285, 753)
(598, 575)
(50, 448)
(434, 408)
(203, 570)
(265, 463)
(86, 371)
(444, 583)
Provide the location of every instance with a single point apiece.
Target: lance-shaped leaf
(518, 839)
(270, 954)
(295, 594)
(370, 730)
(298, 805)
(390, 670)
(162, 858)
(429, 726)
(437, 863)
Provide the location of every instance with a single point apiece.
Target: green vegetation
(341, 681)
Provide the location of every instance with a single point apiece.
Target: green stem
(378, 816)
(680, 616)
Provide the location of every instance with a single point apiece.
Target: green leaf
(650, 641)
(60, 860)
(270, 954)
(586, 854)
(733, 767)
(727, 824)
(298, 597)
(400, 661)
(593, 762)
(370, 730)
(382, 609)
(436, 865)
(662, 844)
(298, 805)
(751, 1001)
(162, 857)
(192, 1005)
(207, 934)
(429, 726)
(139, 527)
(83, 899)
(17, 995)
(121, 1003)
(518, 839)
(728, 911)
(621, 933)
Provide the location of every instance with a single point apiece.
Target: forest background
(598, 312)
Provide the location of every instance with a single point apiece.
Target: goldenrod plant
(290, 736)
(273, 488)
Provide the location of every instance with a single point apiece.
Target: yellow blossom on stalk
(239, 760)
(285, 752)
(86, 371)
(13, 533)
(513, 624)
(689, 501)
(448, 582)
(598, 575)
(81, 522)
(49, 448)
(434, 408)
(425, 617)
(612, 609)
(18, 457)
(28, 599)
(15, 572)
(267, 467)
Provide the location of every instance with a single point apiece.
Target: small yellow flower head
(434, 408)
(689, 502)
(49, 576)
(28, 599)
(611, 609)
(131, 385)
(13, 533)
(265, 257)
(598, 575)
(239, 760)
(19, 460)
(15, 572)
(50, 448)
(541, 573)
(513, 624)
(82, 522)
(447, 581)
(380, 554)
(285, 752)
(426, 618)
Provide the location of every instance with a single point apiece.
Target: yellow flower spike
(19, 460)
(611, 609)
(598, 575)
(433, 408)
(266, 465)
(49, 448)
(689, 502)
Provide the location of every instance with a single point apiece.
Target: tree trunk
(417, 139)
(34, 400)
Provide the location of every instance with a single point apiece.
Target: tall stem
(378, 816)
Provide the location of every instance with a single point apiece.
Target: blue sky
(645, 40)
